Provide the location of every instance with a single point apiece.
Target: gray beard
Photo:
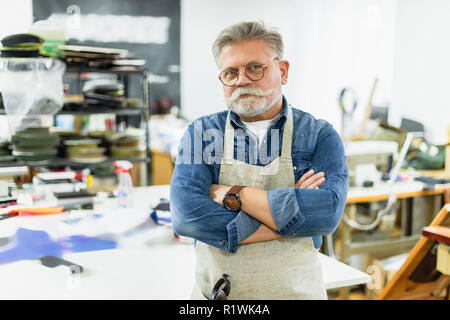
(251, 106)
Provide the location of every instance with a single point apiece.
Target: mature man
(257, 186)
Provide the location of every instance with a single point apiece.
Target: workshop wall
(330, 44)
(22, 13)
(421, 70)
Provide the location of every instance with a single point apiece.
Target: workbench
(404, 191)
(151, 264)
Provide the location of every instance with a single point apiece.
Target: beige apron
(285, 268)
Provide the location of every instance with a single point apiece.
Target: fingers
(316, 184)
(310, 180)
(306, 176)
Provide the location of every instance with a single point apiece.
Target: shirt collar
(277, 121)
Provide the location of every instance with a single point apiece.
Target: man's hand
(310, 180)
(217, 192)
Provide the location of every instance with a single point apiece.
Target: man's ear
(284, 69)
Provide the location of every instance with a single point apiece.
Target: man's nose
(242, 79)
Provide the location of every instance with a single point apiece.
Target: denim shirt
(296, 212)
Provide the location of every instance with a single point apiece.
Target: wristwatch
(231, 200)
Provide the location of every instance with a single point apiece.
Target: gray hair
(245, 31)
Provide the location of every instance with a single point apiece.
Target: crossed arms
(255, 203)
(300, 210)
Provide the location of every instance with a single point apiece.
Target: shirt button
(295, 168)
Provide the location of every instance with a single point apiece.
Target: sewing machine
(368, 160)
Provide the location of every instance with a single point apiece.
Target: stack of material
(104, 92)
(21, 45)
(35, 144)
(5, 152)
(96, 57)
(127, 145)
(85, 150)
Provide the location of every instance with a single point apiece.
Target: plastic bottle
(125, 184)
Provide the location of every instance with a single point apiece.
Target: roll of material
(35, 144)
(22, 45)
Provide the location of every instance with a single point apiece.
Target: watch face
(232, 202)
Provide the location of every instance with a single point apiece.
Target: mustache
(252, 91)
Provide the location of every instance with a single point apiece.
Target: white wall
(201, 21)
(422, 65)
(329, 43)
(15, 17)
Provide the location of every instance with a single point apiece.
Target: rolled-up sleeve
(314, 212)
(242, 227)
(194, 214)
(285, 209)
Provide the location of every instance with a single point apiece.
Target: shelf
(104, 110)
(141, 110)
(98, 110)
(75, 69)
(67, 162)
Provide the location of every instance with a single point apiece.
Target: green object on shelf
(37, 149)
(35, 137)
(35, 144)
(35, 141)
(7, 158)
(104, 170)
(34, 130)
(428, 157)
(35, 156)
(50, 48)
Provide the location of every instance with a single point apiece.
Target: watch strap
(235, 189)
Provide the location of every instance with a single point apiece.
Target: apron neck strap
(286, 149)
(228, 140)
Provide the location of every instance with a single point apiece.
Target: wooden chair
(418, 277)
(447, 195)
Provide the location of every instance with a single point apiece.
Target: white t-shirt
(259, 129)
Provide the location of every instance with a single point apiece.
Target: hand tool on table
(17, 210)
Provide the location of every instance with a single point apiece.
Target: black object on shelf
(22, 45)
(143, 113)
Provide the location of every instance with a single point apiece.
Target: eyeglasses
(253, 71)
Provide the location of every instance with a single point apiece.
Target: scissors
(222, 289)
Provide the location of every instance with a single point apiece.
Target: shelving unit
(143, 111)
(62, 162)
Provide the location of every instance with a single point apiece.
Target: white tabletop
(151, 264)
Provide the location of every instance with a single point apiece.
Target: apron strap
(228, 151)
(286, 149)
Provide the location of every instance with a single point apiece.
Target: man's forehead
(244, 52)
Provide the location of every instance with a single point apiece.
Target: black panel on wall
(110, 19)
